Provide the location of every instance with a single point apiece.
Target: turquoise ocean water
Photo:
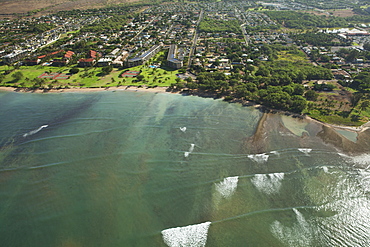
(144, 169)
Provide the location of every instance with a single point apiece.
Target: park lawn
(292, 57)
(91, 77)
(29, 73)
(68, 33)
(161, 77)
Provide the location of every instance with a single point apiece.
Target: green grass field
(292, 57)
(88, 77)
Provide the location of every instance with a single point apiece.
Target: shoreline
(358, 129)
(86, 89)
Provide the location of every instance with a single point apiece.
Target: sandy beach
(71, 90)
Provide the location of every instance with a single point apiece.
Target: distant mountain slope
(52, 6)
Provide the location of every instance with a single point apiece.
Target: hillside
(41, 7)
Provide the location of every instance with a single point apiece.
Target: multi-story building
(172, 61)
(14, 56)
(145, 56)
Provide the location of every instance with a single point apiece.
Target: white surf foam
(187, 236)
(191, 149)
(227, 187)
(259, 158)
(326, 169)
(365, 179)
(306, 151)
(275, 152)
(268, 183)
(300, 234)
(302, 221)
(183, 129)
(363, 159)
(35, 131)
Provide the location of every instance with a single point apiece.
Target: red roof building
(93, 54)
(86, 62)
(69, 54)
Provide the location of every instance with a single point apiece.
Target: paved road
(195, 39)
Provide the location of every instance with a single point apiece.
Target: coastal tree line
(276, 84)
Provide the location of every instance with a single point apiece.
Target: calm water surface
(145, 169)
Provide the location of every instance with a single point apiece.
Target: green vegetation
(276, 84)
(39, 28)
(292, 19)
(292, 55)
(27, 76)
(319, 39)
(218, 26)
(115, 22)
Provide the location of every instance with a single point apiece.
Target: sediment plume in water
(256, 143)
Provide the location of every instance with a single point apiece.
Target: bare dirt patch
(334, 12)
(342, 12)
(48, 6)
(317, 13)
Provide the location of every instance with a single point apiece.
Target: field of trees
(218, 26)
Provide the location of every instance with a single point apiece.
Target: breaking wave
(191, 149)
(259, 158)
(35, 131)
(306, 151)
(299, 234)
(326, 169)
(187, 236)
(363, 159)
(227, 187)
(268, 183)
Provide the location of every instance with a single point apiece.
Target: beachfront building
(118, 62)
(86, 62)
(64, 60)
(172, 60)
(31, 62)
(91, 59)
(14, 56)
(104, 62)
(145, 56)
